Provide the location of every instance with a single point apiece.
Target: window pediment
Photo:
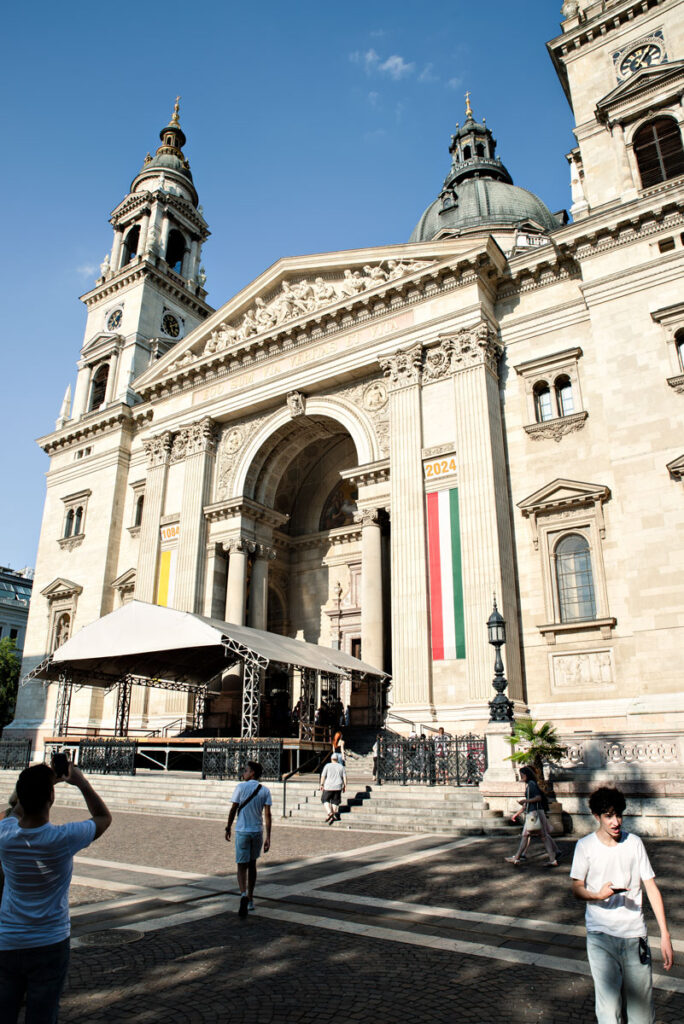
(657, 85)
(676, 468)
(61, 589)
(563, 497)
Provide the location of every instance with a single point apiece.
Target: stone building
(361, 447)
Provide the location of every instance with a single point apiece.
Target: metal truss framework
(254, 664)
(308, 706)
(63, 705)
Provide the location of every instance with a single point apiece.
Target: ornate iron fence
(15, 753)
(227, 759)
(107, 757)
(432, 760)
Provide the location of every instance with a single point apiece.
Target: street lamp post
(501, 708)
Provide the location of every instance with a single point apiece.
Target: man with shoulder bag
(250, 800)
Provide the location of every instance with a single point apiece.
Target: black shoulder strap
(251, 796)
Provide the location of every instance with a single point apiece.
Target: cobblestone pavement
(362, 925)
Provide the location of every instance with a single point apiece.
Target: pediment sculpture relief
(297, 299)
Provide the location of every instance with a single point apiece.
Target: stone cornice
(134, 202)
(371, 473)
(93, 424)
(222, 510)
(167, 281)
(677, 383)
(388, 299)
(676, 468)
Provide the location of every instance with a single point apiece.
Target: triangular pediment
(561, 493)
(297, 291)
(125, 581)
(640, 84)
(101, 342)
(676, 468)
(61, 587)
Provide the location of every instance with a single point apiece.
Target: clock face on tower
(644, 54)
(170, 325)
(114, 320)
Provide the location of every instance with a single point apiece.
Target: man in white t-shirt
(37, 859)
(249, 800)
(333, 785)
(608, 870)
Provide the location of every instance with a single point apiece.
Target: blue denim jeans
(39, 974)
(618, 973)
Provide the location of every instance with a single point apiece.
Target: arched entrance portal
(298, 561)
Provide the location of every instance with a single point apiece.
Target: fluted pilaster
(158, 451)
(196, 444)
(410, 633)
(371, 588)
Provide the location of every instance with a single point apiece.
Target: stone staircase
(396, 808)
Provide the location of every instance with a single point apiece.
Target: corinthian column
(487, 550)
(258, 596)
(196, 444)
(237, 581)
(410, 634)
(371, 588)
(158, 451)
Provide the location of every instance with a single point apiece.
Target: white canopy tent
(150, 645)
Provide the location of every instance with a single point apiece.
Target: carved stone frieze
(403, 369)
(296, 402)
(229, 448)
(677, 383)
(70, 543)
(158, 449)
(298, 298)
(437, 361)
(556, 429)
(375, 396)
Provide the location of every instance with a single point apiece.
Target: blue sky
(311, 127)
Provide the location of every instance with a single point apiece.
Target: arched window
(69, 523)
(130, 246)
(78, 521)
(480, 150)
(679, 344)
(575, 579)
(99, 387)
(139, 510)
(658, 150)
(467, 152)
(175, 250)
(542, 402)
(564, 400)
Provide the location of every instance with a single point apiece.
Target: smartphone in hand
(60, 765)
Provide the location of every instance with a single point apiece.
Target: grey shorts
(247, 846)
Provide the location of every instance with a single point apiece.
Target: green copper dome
(478, 191)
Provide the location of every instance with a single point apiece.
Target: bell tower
(150, 292)
(620, 64)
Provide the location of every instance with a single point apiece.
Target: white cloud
(369, 59)
(86, 270)
(427, 74)
(396, 67)
(379, 133)
(374, 99)
(455, 83)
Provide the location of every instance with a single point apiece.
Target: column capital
(404, 368)
(158, 449)
(266, 552)
(239, 544)
(195, 439)
(367, 516)
(476, 346)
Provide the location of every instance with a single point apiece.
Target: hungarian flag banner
(446, 584)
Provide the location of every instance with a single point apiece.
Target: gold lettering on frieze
(290, 362)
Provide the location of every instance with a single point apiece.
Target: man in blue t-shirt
(37, 860)
(249, 800)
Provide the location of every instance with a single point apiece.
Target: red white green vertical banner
(446, 582)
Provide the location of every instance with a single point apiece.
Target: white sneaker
(250, 905)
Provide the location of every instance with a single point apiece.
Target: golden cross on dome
(174, 118)
(469, 110)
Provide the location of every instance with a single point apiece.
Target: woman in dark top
(534, 801)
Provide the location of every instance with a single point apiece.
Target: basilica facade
(361, 448)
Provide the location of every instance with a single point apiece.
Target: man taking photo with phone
(608, 870)
(37, 859)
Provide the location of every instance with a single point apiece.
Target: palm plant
(535, 745)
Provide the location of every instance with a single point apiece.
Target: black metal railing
(107, 757)
(227, 759)
(15, 753)
(431, 761)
